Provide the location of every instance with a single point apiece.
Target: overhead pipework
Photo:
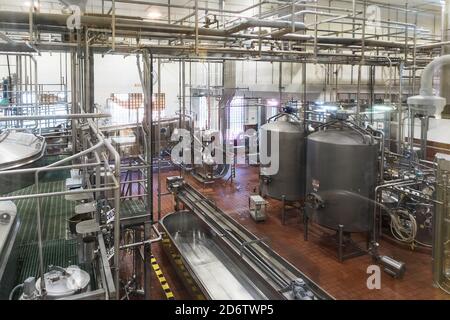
(265, 106)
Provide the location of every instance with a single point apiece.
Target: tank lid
(59, 283)
(18, 147)
(8, 212)
(284, 124)
(340, 137)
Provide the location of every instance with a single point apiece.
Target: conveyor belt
(269, 265)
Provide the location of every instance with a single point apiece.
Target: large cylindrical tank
(289, 180)
(19, 150)
(342, 167)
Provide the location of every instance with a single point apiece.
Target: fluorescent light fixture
(382, 107)
(153, 14)
(327, 108)
(272, 103)
(35, 3)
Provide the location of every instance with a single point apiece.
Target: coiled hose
(399, 231)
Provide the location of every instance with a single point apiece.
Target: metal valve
(314, 201)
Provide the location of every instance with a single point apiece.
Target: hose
(11, 295)
(401, 233)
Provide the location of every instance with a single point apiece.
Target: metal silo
(289, 181)
(342, 166)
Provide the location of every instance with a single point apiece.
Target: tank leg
(283, 211)
(305, 222)
(340, 237)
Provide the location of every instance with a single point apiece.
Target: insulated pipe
(250, 23)
(60, 20)
(426, 82)
(57, 117)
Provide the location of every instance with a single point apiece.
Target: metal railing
(103, 153)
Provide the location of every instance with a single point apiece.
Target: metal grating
(131, 208)
(55, 210)
(56, 252)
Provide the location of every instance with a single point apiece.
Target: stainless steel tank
(289, 181)
(167, 128)
(9, 228)
(64, 282)
(19, 150)
(342, 166)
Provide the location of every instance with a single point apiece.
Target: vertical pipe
(183, 80)
(73, 85)
(87, 82)
(159, 139)
(40, 244)
(354, 15)
(169, 12)
(400, 110)
(148, 122)
(208, 98)
(280, 82)
(113, 25)
(414, 68)
(31, 22)
(358, 94)
(411, 132)
(425, 123)
(196, 28)
(305, 98)
(259, 28)
(116, 223)
(316, 27)
(35, 76)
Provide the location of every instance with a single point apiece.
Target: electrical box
(257, 206)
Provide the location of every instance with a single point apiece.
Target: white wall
(115, 74)
(437, 132)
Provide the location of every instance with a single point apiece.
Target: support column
(148, 120)
(229, 91)
(445, 72)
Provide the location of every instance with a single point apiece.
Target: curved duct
(426, 102)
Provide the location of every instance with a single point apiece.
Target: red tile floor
(345, 280)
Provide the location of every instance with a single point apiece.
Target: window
(237, 117)
(202, 120)
(128, 108)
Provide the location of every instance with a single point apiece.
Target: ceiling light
(152, 14)
(35, 3)
(272, 103)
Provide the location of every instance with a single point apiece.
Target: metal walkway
(58, 248)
